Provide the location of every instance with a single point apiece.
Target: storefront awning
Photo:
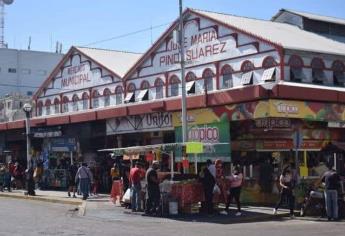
(247, 78)
(269, 74)
(143, 95)
(130, 97)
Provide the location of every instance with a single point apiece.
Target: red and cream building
(266, 79)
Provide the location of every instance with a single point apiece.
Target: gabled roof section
(117, 62)
(280, 35)
(328, 19)
(288, 36)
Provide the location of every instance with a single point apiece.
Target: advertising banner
(208, 133)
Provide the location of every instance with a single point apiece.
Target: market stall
(176, 185)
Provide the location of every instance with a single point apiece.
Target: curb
(42, 199)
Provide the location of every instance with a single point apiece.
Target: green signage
(216, 136)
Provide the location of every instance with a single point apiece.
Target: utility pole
(183, 79)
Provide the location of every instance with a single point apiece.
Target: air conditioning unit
(156, 134)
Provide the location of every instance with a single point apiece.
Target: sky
(92, 23)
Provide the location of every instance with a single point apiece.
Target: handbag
(127, 196)
(216, 189)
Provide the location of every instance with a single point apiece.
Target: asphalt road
(22, 217)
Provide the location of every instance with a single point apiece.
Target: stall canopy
(193, 147)
(190, 148)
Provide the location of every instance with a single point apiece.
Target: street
(22, 217)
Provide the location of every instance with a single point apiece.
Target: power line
(127, 34)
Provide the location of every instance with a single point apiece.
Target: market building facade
(269, 89)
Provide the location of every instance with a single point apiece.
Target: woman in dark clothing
(286, 183)
(208, 182)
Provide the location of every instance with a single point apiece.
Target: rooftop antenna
(2, 21)
(29, 46)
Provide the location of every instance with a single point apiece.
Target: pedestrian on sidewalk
(18, 174)
(236, 182)
(332, 184)
(30, 182)
(84, 178)
(7, 179)
(72, 171)
(153, 192)
(2, 177)
(135, 177)
(286, 184)
(208, 180)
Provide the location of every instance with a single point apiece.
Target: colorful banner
(307, 110)
(311, 111)
(208, 133)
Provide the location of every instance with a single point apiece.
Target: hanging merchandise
(149, 157)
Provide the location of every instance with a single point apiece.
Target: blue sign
(63, 145)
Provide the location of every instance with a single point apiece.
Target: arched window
(106, 94)
(56, 106)
(85, 98)
(317, 67)
(208, 76)
(48, 104)
(247, 68)
(65, 104)
(40, 108)
(338, 73)
(269, 62)
(75, 101)
(227, 76)
(174, 86)
(190, 77)
(95, 99)
(131, 88)
(118, 95)
(145, 85)
(159, 84)
(190, 83)
(296, 68)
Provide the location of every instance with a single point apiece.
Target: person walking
(208, 181)
(7, 179)
(332, 184)
(30, 182)
(2, 177)
(84, 178)
(286, 183)
(135, 177)
(236, 181)
(72, 172)
(153, 192)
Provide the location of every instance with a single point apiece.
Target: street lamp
(27, 108)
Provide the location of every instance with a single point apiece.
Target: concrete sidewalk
(49, 196)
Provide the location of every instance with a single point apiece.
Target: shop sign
(142, 123)
(286, 108)
(208, 133)
(271, 123)
(77, 74)
(197, 117)
(334, 124)
(63, 145)
(46, 132)
(202, 45)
